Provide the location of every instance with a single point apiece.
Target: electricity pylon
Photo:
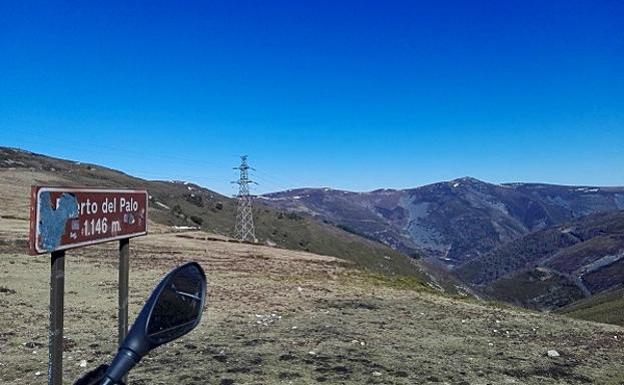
(244, 227)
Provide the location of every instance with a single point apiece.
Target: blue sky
(355, 95)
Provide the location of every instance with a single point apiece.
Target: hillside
(184, 204)
(452, 221)
(555, 267)
(273, 315)
(276, 316)
(606, 307)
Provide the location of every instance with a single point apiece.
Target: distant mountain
(554, 267)
(177, 203)
(453, 221)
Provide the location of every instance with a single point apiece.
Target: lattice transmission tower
(244, 227)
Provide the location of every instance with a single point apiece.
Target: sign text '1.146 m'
(63, 218)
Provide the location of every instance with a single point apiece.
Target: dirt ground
(281, 317)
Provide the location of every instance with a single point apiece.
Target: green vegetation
(606, 307)
(536, 289)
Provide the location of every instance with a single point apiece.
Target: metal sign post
(64, 218)
(124, 269)
(57, 294)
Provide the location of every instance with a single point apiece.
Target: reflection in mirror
(178, 307)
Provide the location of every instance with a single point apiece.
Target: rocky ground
(282, 317)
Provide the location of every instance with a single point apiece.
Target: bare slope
(279, 316)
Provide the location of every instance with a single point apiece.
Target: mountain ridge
(176, 203)
(419, 218)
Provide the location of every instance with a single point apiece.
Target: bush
(197, 220)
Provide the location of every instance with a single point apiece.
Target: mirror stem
(123, 362)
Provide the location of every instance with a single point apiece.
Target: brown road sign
(63, 218)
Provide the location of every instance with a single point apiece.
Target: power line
(281, 182)
(244, 227)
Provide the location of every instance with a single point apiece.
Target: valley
(334, 307)
(533, 245)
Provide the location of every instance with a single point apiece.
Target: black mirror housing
(173, 309)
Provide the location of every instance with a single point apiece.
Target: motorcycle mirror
(173, 309)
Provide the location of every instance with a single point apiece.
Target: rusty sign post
(66, 218)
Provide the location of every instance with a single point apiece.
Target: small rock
(312, 353)
(362, 343)
(83, 363)
(376, 373)
(294, 328)
(553, 353)
(299, 289)
(37, 373)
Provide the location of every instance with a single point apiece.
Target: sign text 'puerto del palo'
(64, 218)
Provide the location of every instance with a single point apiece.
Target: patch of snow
(587, 189)
(181, 228)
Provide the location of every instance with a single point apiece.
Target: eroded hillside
(454, 221)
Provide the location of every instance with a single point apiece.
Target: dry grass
(269, 309)
(360, 329)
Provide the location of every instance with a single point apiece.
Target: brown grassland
(276, 316)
